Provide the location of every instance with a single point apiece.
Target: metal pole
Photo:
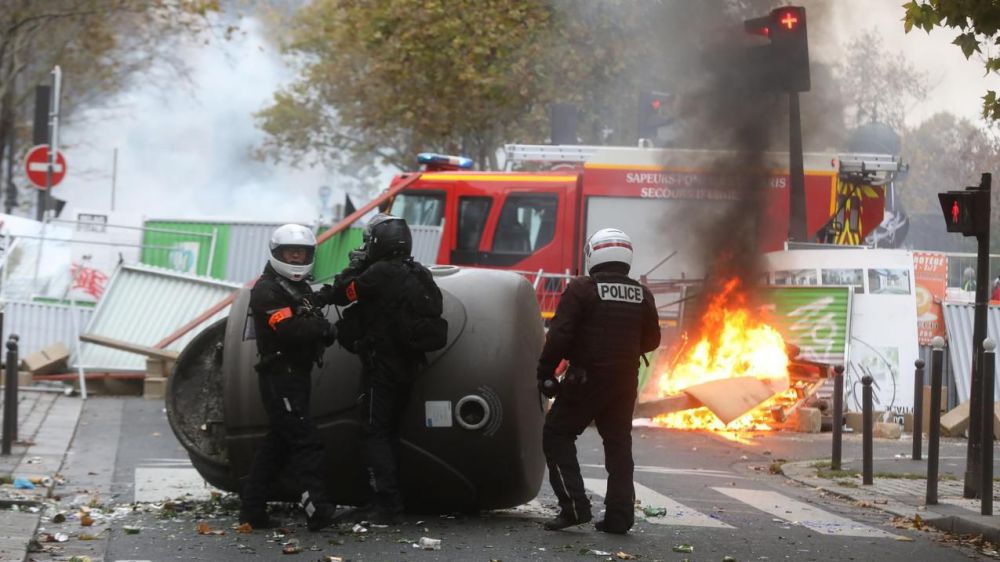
(918, 408)
(986, 482)
(838, 416)
(867, 422)
(796, 171)
(934, 431)
(974, 454)
(10, 397)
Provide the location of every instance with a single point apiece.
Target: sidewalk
(900, 487)
(46, 425)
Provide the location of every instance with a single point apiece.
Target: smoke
(184, 147)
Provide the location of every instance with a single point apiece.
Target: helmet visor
(295, 254)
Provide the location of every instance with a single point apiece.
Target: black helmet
(387, 236)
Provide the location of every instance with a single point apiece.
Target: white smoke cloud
(184, 149)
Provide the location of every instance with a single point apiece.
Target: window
(419, 209)
(796, 277)
(526, 224)
(889, 281)
(472, 213)
(849, 277)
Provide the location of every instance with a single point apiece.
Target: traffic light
(966, 211)
(785, 61)
(653, 113)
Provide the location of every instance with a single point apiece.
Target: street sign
(37, 162)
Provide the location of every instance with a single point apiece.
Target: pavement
(48, 423)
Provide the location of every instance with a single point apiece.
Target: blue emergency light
(435, 161)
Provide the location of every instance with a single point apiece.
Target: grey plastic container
(470, 436)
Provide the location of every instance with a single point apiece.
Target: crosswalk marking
(685, 471)
(799, 513)
(677, 513)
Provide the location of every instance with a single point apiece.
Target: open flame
(734, 341)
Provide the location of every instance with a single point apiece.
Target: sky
(184, 151)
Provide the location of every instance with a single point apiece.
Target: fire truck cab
(535, 221)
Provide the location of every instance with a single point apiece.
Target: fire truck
(537, 221)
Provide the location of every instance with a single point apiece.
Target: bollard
(986, 481)
(934, 431)
(838, 416)
(10, 398)
(918, 408)
(868, 426)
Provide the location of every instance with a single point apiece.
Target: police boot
(322, 518)
(605, 526)
(564, 520)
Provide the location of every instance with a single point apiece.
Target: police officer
(603, 323)
(373, 283)
(291, 334)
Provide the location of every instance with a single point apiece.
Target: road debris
(685, 548)
(204, 529)
(428, 543)
(650, 511)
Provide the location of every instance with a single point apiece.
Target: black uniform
(602, 325)
(289, 340)
(388, 368)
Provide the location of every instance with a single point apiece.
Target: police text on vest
(619, 292)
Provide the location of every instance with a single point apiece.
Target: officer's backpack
(419, 323)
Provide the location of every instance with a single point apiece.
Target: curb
(944, 517)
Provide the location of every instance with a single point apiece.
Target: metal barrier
(934, 429)
(918, 408)
(838, 416)
(986, 477)
(10, 397)
(867, 423)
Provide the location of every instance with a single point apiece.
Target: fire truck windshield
(420, 209)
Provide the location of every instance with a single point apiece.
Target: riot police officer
(376, 283)
(291, 334)
(603, 323)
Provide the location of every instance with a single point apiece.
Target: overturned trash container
(470, 436)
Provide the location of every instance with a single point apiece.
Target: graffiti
(815, 328)
(89, 280)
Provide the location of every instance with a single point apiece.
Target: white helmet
(292, 235)
(608, 245)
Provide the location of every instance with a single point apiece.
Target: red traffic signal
(786, 59)
(966, 212)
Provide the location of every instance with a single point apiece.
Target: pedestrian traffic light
(653, 113)
(785, 61)
(967, 211)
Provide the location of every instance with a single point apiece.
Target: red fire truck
(534, 221)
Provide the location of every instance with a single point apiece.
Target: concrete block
(908, 423)
(808, 420)
(50, 359)
(887, 430)
(156, 367)
(24, 378)
(955, 422)
(853, 420)
(154, 388)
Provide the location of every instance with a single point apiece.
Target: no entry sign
(37, 163)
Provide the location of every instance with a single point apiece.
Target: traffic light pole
(974, 453)
(797, 196)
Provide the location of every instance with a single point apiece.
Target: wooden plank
(129, 347)
(674, 403)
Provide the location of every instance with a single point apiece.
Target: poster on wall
(930, 271)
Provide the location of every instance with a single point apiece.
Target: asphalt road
(720, 500)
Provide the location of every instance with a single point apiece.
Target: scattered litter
(359, 528)
(903, 539)
(130, 530)
(203, 529)
(594, 552)
(291, 549)
(744, 458)
(22, 483)
(330, 558)
(686, 548)
(728, 559)
(244, 528)
(34, 460)
(48, 537)
(428, 543)
(88, 537)
(651, 511)
(80, 559)
(86, 520)
(624, 556)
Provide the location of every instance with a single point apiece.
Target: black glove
(549, 387)
(359, 258)
(324, 295)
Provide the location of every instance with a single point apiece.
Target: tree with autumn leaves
(100, 46)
